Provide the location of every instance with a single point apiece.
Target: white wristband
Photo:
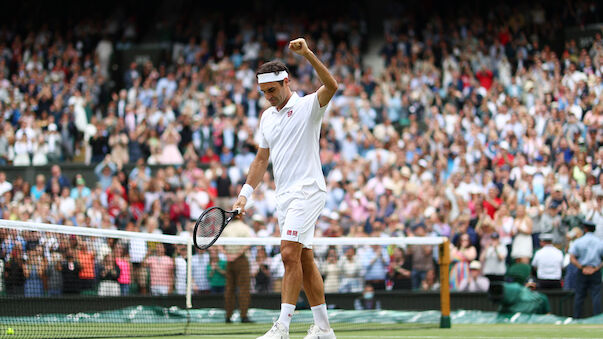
(246, 191)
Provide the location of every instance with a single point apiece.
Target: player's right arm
(256, 172)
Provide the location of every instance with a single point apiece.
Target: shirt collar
(292, 101)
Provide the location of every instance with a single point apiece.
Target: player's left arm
(329, 87)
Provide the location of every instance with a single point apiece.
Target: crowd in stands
(476, 130)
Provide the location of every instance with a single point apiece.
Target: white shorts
(298, 211)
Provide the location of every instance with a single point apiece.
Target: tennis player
(289, 135)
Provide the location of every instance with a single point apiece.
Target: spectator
(260, 271)
(400, 271)
(548, 262)
(53, 274)
(109, 274)
(586, 254)
(216, 271)
(351, 280)
(475, 282)
(161, 271)
(461, 256)
(199, 266)
(39, 188)
(374, 265)
(331, 269)
(122, 260)
(70, 269)
(494, 256)
(368, 300)
(430, 282)
(86, 261)
(422, 260)
(105, 171)
(180, 269)
(522, 231)
(56, 174)
(33, 270)
(14, 272)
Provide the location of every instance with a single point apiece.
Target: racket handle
(238, 210)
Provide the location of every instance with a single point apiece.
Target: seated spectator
(548, 262)
(430, 283)
(368, 300)
(475, 282)
(80, 190)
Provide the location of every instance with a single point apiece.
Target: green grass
(456, 332)
(356, 331)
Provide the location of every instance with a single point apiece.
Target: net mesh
(75, 282)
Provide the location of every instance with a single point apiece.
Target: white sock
(286, 315)
(320, 317)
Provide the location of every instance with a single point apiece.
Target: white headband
(271, 77)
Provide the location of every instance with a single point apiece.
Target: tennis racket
(210, 225)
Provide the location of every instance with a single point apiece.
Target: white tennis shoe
(316, 333)
(278, 331)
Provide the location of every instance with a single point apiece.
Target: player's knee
(290, 255)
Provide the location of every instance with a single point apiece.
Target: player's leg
(243, 281)
(313, 284)
(229, 292)
(314, 289)
(595, 290)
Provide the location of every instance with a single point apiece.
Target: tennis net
(67, 282)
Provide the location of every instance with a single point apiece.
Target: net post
(189, 273)
(444, 249)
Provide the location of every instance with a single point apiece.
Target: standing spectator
(261, 271)
(14, 272)
(351, 280)
(200, 280)
(400, 271)
(122, 259)
(461, 256)
(180, 267)
(161, 271)
(375, 262)
(548, 262)
(86, 260)
(237, 271)
(105, 171)
(70, 270)
(331, 270)
(53, 274)
(422, 259)
(522, 230)
(475, 282)
(494, 257)
(170, 154)
(34, 269)
(216, 271)
(586, 254)
(108, 276)
(137, 249)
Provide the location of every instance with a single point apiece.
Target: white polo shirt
(548, 262)
(292, 135)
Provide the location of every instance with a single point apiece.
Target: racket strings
(209, 227)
